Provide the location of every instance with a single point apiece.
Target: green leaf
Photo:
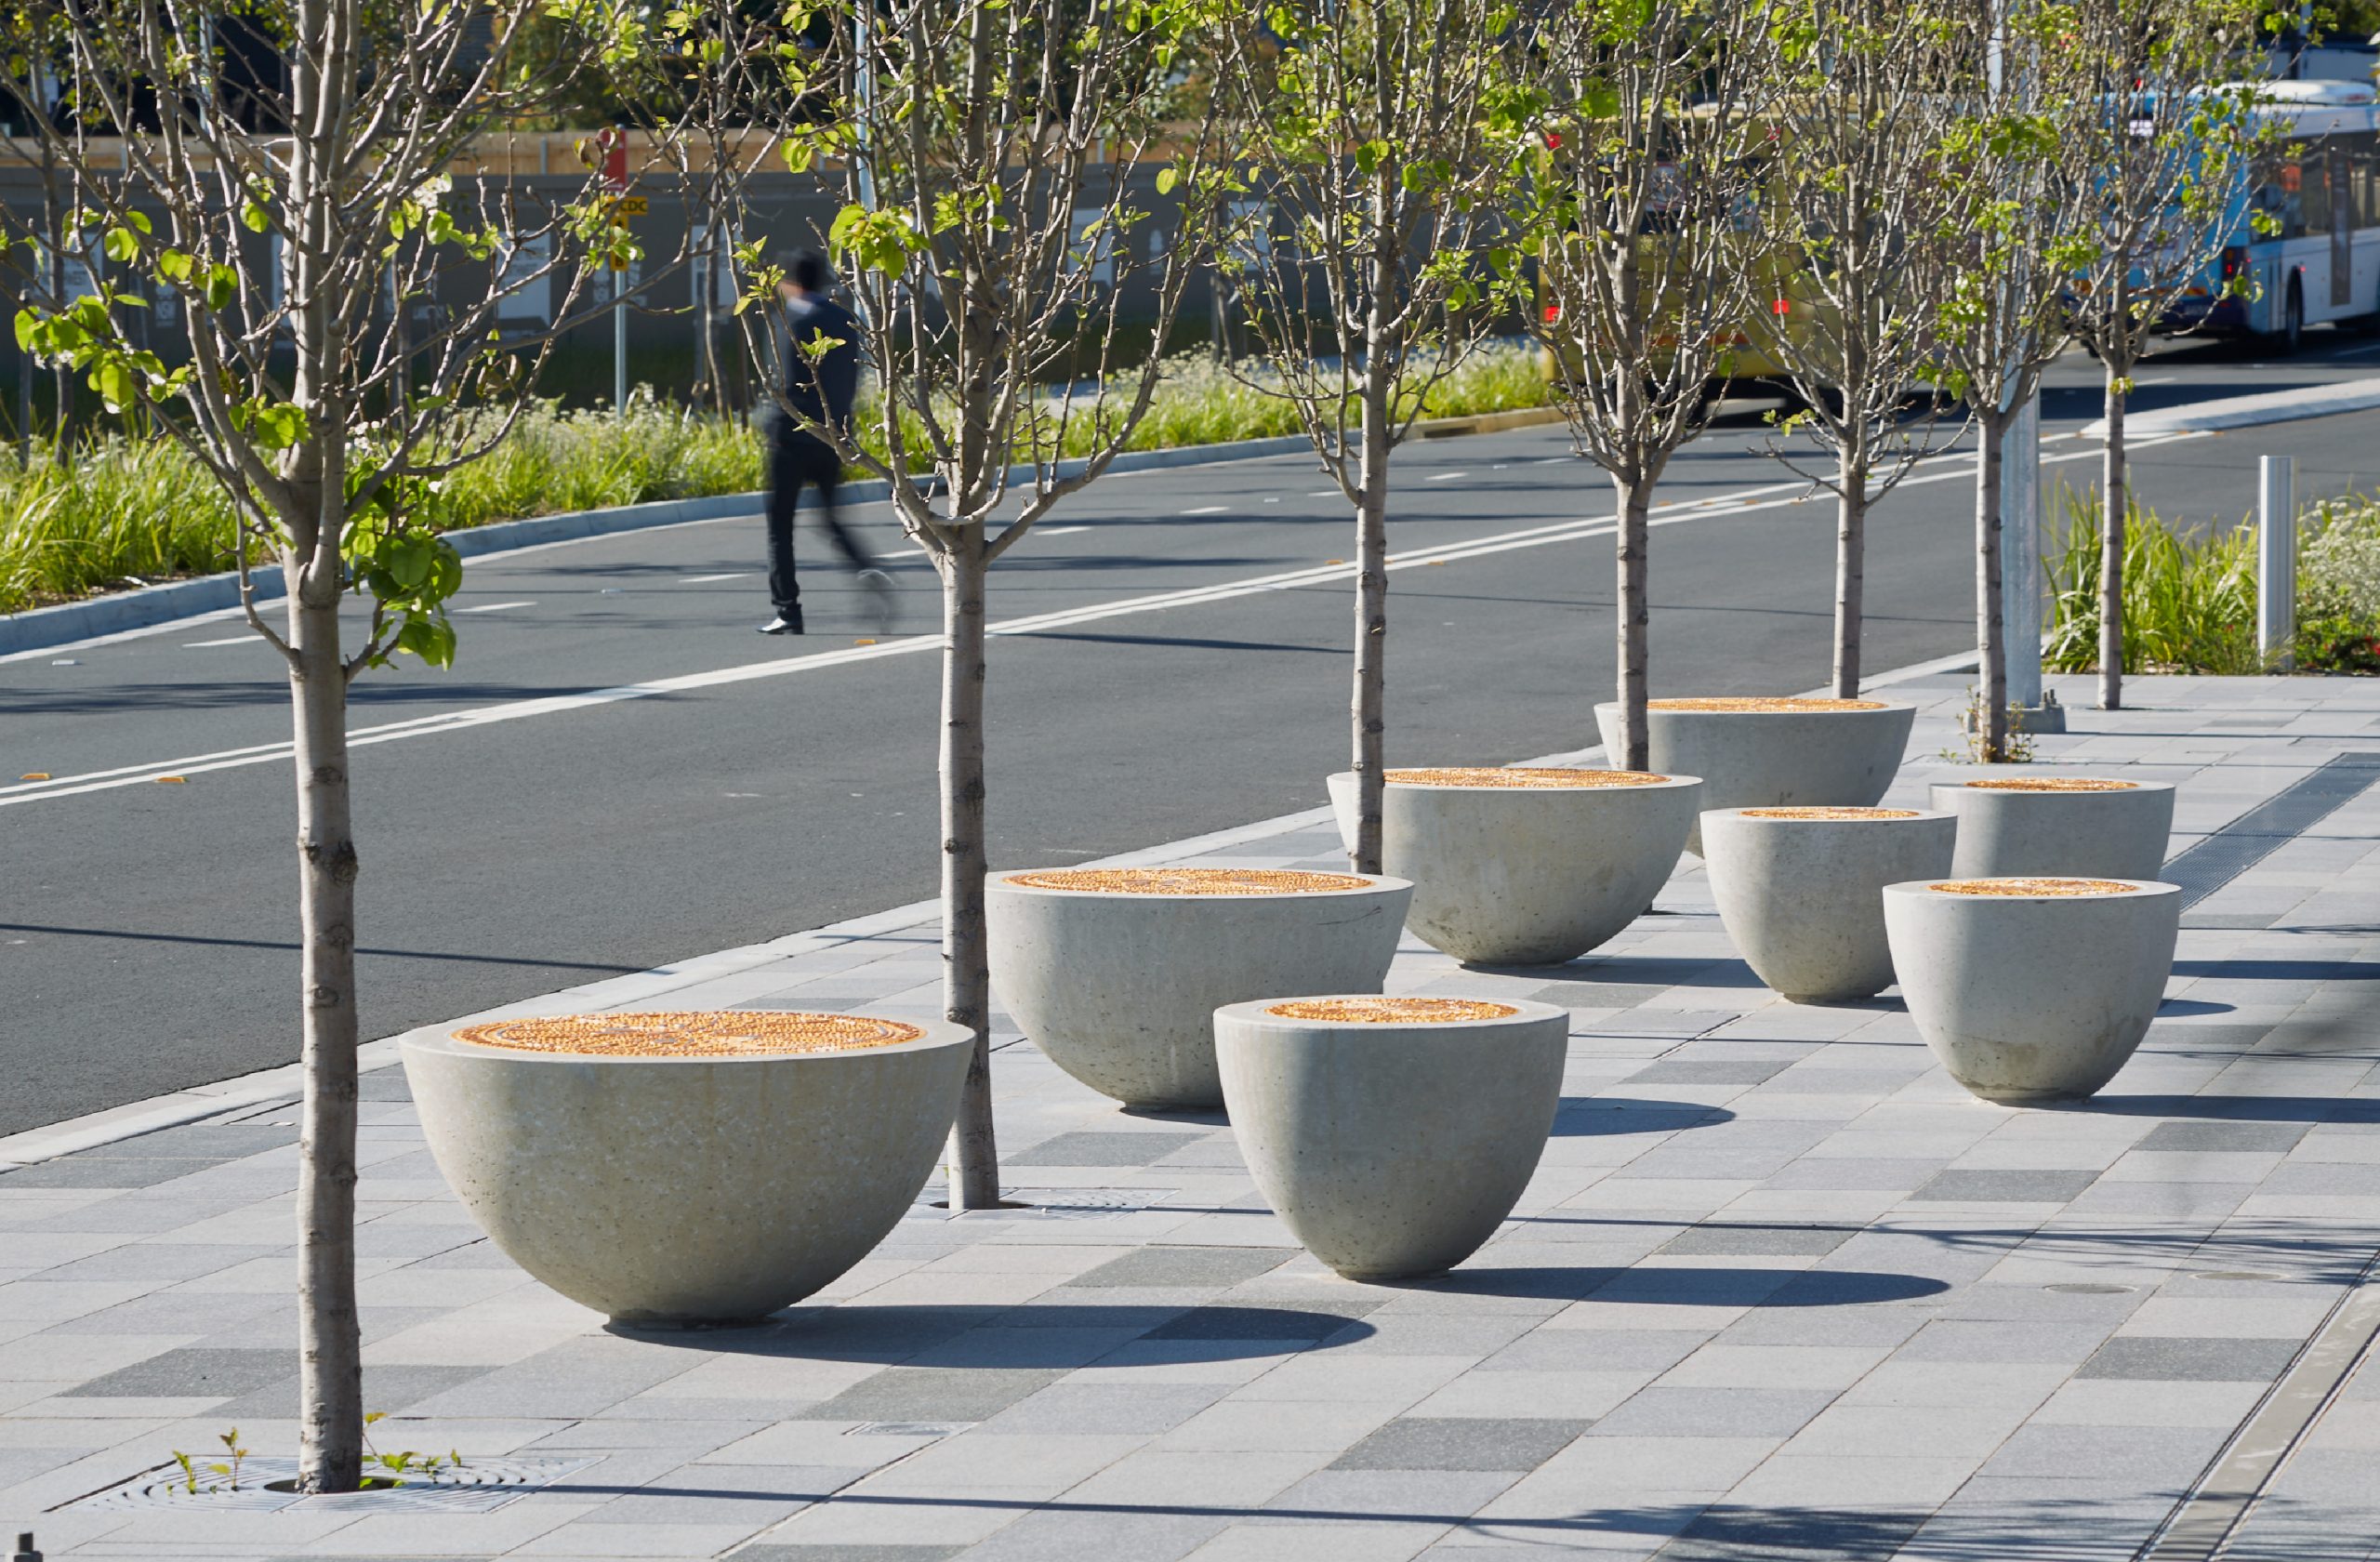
(1167, 177)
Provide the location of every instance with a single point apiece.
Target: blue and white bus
(2321, 262)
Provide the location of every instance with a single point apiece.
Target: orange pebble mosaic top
(724, 1033)
(2033, 887)
(1390, 1010)
(1788, 704)
(2055, 784)
(1189, 880)
(1521, 775)
(1830, 813)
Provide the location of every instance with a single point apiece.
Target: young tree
(2018, 226)
(1375, 132)
(1848, 224)
(2163, 145)
(1002, 244)
(1637, 202)
(281, 220)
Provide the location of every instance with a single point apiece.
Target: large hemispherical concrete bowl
(1511, 873)
(1773, 753)
(689, 1190)
(1117, 978)
(1800, 890)
(2032, 989)
(2010, 826)
(1392, 1145)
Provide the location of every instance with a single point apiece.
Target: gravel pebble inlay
(1487, 775)
(2053, 784)
(1770, 703)
(1189, 880)
(1830, 813)
(702, 1034)
(1391, 1010)
(2034, 887)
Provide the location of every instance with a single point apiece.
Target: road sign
(628, 205)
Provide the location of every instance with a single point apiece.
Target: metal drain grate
(477, 1486)
(2205, 868)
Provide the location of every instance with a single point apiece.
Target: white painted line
(251, 638)
(1055, 531)
(1207, 510)
(1445, 477)
(709, 579)
(1325, 494)
(1958, 468)
(495, 607)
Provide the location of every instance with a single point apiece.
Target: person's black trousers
(796, 461)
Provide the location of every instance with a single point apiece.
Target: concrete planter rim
(1987, 784)
(1764, 814)
(938, 1033)
(1655, 781)
(1373, 883)
(1864, 707)
(1257, 1011)
(2135, 889)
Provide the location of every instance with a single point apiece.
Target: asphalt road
(513, 847)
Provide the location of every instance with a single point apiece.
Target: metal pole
(2020, 554)
(620, 342)
(2276, 562)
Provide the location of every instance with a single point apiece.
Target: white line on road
(1956, 466)
(1445, 477)
(1207, 510)
(495, 607)
(1057, 531)
(251, 638)
(708, 579)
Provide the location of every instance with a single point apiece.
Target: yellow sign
(628, 205)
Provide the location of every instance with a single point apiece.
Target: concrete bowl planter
(1115, 973)
(2014, 826)
(1392, 1135)
(2032, 989)
(1527, 867)
(1801, 890)
(688, 1169)
(1773, 753)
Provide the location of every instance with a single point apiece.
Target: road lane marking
(495, 607)
(1959, 465)
(1056, 531)
(1445, 477)
(1207, 510)
(708, 579)
(251, 638)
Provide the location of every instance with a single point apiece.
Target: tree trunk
(1369, 709)
(1850, 574)
(1991, 650)
(1634, 618)
(2114, 501)
(329, 1340)
(966, 972)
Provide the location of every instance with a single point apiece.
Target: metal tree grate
(476, 1486)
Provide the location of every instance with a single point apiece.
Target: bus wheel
(2292, 319)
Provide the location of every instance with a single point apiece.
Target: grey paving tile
(1072, 1535)
(1440, 1496)
(2040, 1342)
(481, 1254)
(1088, 1408)
(2174, 1358)
(213, 1142)
(931, 1394)
(1713, 1413)
(1747, 1237)
(1596, 1350)
(1749, 1534)
(2149, 1457)
(1305, 1319)
(161, 1264)
(1687, 1071)
(2224, 1137)
(393, 1389)
(102, 1172)
(767, 1551)
(192, 1373)
(1461, 1443)
(1185, 1266)
(1957, 1186)
(1104, 1149)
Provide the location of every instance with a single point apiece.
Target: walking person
(820, 388)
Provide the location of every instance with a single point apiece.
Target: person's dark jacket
(821, 389)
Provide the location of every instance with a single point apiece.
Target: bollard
(25, 1552)
(2276, 562)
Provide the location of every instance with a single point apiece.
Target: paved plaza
(1780, 1290)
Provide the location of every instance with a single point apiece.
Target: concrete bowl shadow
(992, 1336)
(1661, 1286)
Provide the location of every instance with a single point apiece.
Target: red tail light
(2235, 260)
(1553, 314)
(1782, 305)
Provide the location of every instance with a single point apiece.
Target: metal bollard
(25, 1552)
(2276, 562)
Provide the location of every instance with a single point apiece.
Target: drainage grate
(2205, 868)
(477, 1486)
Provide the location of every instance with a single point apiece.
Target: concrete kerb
(2248, 412)
(148, 607)
(198, 1101)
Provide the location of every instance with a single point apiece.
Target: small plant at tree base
(2017, 747)
(407, 1462)
(230, 1471)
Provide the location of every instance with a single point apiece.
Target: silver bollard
(2276, 562)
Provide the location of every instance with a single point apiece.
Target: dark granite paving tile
(2184, 1360)
(1104, 1149)
(197, 1141)
(87, 1171)
(1184, 1266)
(1731, 1239)
(192, 1373)
(1302, 1319)
(766, 1552)
(2224, 1137)
(391, 1389)
(1461, 1443)
(931, 1394)
(383, 1084)
(1711, 1071)
(2003, 1187)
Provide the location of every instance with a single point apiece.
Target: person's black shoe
(787, 621)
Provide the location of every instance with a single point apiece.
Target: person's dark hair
(809, 272)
